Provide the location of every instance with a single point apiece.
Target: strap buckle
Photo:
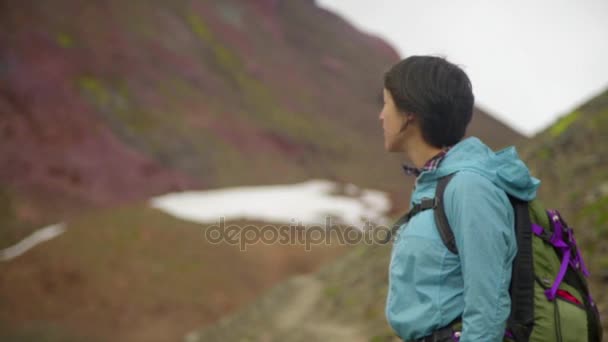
(429, 203)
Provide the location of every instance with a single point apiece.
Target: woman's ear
(404, 125)
(408, 119)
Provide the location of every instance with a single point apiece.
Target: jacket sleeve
(482, 219)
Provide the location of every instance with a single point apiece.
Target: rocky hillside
(345, 300)
(105, 102)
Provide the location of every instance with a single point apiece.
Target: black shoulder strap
(521, 319)
(441, 220)
(425, 204)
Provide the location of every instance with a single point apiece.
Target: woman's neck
(419, 152)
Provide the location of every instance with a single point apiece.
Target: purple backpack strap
(566, 247)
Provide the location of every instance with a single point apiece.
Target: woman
(428, 103)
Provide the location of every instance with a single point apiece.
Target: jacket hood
(504, 168)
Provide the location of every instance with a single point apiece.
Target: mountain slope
(107, 102)
(137, 274)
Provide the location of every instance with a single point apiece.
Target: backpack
(550, 298)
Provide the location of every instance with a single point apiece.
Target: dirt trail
(301, 308)
(307, 291)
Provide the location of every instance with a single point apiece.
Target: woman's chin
(387, 147)
(391, 147)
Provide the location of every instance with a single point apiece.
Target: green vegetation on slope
(563, 123)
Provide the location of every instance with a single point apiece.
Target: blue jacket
(429, 287)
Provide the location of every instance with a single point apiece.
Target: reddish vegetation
(267, 12)
(248, 139)
(55, 136)
(53, 141)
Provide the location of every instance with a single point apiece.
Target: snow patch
(308, 203)
(34, 239)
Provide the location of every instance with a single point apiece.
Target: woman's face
(392, 121)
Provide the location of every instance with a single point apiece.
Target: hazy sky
(530, 61)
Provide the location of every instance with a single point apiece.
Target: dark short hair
(437, 92)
